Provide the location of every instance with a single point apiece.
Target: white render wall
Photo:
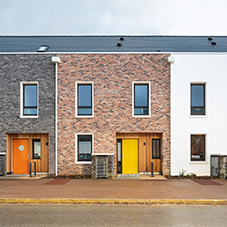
(210, 69)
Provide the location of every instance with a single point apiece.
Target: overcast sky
(108, 17)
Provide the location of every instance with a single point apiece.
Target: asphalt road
(111, 215)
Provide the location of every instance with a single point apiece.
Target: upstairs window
(141, 99)
(29, 99)
(84, 102)
(197, 99)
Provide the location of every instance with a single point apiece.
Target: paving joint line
(115, 201)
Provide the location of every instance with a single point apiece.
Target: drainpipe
(56, 61)
(171, 60)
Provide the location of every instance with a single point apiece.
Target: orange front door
(21, 157)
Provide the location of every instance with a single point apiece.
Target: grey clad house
(27, 108)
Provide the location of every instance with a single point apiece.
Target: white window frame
(149, 99)
(76, 147)
(22, 99)
(76, 98)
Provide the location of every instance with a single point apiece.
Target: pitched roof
(58, 44)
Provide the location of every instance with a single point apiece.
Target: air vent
(122, 39)
(43, 48)
(209, 38)
(213, 43)
(119, 44)
(158, 50)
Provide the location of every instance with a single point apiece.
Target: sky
(111, 17)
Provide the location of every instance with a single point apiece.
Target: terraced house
(119, 103)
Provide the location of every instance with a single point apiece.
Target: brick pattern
(23, 67)
(112, 75)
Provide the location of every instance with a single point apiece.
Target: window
(197, 99)
(197, 147)
(119, 156)
(29, 99)
(84, 99)
(84, 148)
(141, 99)
(156, 149)
(36, 149)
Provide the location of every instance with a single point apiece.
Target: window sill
(83, 162)
(198, 116)
(80, 116)
(29, 117)
(141, 116)
(198, 162)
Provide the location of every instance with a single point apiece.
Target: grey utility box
(2, 164)
(218, 166)
(102, 165)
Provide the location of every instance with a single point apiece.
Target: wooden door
(130, 156)
(21, 156)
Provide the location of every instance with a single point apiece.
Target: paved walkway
(142, 189)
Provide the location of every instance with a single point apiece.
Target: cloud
(175, 17)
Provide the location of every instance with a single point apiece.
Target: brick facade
(27, 67)
(112, 75)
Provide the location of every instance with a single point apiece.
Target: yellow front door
(129, 156)
(21, 157)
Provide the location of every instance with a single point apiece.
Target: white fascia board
(158, 53)
(42, 53)
(198, 53)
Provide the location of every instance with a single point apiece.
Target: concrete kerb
(117, 201)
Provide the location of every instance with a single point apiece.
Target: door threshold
(128, 177)
(149, 173)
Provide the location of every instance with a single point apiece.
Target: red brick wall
(112, 75)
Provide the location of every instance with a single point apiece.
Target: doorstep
(23, 176)
(140, 177)
(155, 177)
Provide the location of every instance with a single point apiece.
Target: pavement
(146, 190)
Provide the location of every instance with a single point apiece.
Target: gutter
(56, 61)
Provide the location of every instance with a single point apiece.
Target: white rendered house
(198, 110)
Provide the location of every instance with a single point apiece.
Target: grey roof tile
(59, 44)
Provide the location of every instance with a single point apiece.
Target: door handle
(28, 156)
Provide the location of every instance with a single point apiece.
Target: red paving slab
(58, 182)
(112, 189)
(206, 182)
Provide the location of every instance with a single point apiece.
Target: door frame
(42, 164)
(147, 155)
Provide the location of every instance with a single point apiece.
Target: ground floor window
(36, 148)
(83, 148)
(197, 147)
